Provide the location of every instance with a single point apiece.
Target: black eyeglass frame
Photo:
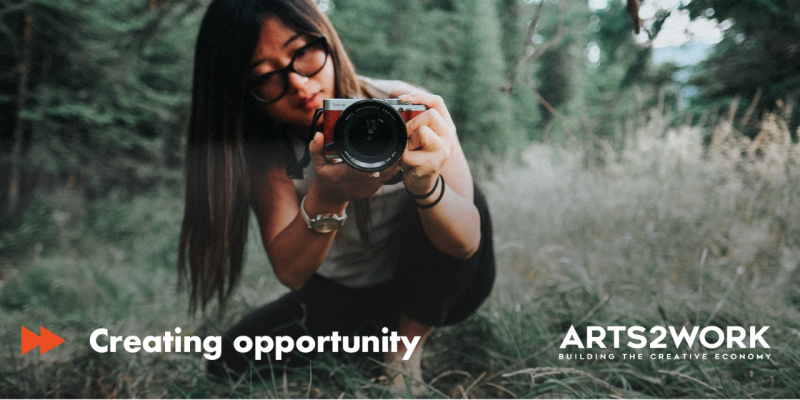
(284, 72)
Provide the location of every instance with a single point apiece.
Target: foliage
(621, 83)
(759, 52)
(108, 87)
(483, 107)
(107, 92)
(450, 48)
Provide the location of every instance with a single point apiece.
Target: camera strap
(296, 172)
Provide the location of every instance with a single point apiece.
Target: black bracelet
(426, 195)
(426, 206)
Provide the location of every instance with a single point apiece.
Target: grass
(653, 230)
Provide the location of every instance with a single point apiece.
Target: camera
(368, 135)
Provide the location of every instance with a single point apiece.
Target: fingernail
(375, 174)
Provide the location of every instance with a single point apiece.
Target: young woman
(419, 253)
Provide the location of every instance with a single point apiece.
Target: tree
(105, 94)
(11, 110)
(612, 89)
(758, 54)
(483, 107)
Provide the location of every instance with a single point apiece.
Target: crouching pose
(416, 249)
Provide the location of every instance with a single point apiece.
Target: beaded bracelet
(441, 195)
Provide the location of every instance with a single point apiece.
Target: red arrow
(47, 341)
(29, 340)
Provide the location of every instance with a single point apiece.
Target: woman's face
(277, 45)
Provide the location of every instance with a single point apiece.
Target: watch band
(322, 223)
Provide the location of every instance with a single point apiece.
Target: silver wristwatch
(322, 223)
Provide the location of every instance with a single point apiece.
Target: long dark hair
(226, 132)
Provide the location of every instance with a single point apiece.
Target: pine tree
(483, 111)
(414, 41)
(106, 94)
(516, 18)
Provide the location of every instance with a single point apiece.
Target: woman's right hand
(338, 183)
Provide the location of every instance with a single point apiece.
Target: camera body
(368, 135)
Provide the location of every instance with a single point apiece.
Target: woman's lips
(312, 102)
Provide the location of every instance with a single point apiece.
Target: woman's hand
(453, 224)
(431, 140)
(338, 183)
(295, 251)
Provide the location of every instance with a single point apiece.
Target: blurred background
(95, 94)
(646, 178)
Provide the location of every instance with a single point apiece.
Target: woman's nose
(296, 81)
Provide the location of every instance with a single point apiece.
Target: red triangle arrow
(29, 340)
(47, 341)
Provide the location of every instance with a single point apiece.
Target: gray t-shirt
(348, 261)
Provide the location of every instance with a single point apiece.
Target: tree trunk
(19, 129)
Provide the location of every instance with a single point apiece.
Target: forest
(95, 94)
(651, 149)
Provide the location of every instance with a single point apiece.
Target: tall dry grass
(664, 231)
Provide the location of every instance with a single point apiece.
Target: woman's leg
(436, 289)
(282, 316)
(319, 308)
(431, 289)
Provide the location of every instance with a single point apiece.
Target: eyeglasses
(307, 61)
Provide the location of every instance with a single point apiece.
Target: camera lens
(370, 135)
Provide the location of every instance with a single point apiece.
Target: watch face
(326, 224)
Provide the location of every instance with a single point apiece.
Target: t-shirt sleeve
(377, 88)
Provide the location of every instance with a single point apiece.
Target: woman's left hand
(431, 140)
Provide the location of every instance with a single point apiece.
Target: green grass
(620, 242)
